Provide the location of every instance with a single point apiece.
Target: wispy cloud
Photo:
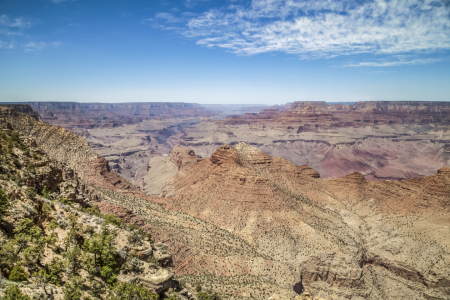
(324, 28)
(168, 18)
(33, 46)
(57, 44)
(395, 63)
(13, 26)
(192, 3)
(7, 45)
(13, 29)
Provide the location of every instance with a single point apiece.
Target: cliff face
(72, 115)
(248, 224)
(346, 238)
(24, 109)
(382, 140)
(49, 219)
(67, 148)
(313, 116)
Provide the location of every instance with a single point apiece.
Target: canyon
(381, 140)
(250, 225)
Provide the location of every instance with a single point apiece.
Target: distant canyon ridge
(382, 140)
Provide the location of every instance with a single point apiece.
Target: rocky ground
(248, 225)
(51, 230)
(347, 238)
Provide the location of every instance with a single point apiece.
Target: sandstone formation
(250, 225)
(347, 238)
(381, 140)
(127, 135)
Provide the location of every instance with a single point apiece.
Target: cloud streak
(395, 63)
(10, 27)
(33, 46)
(323, 28)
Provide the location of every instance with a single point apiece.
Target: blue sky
(211, 51)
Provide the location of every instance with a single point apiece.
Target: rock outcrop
(348, 238)
(390, 140)
(45, 192)
(250, 225)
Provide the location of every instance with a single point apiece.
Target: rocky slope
(382, 140)
(127, 135)
(347, 238)
(197, 245)
(51, 230)
(67, 148)
(252, 226)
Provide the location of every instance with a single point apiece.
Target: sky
(228, 52)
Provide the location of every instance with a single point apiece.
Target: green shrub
(93, 210)
(112, 219)
(65, 201)
(31, 168)
(18, 274)
(205, 296)
(30, 192)
(198, 287)
(125, 291)
(53, 271)
(17, 163)
(46, 209)
(72, 260)
(4, 204)
(97, 288)
(45, 193)
(14, 293)
(52, 225)
(73, 289)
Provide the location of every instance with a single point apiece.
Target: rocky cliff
(346, 238)
(382, 140)
(250, 225)
(67, 148)
(55, 243)
(74, 115)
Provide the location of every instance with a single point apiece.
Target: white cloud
(192, 3)
(14, 26)
(6, 45)
(395, 63)
(324, 28)
(168, 18)
(33, 46)
(57, 44)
